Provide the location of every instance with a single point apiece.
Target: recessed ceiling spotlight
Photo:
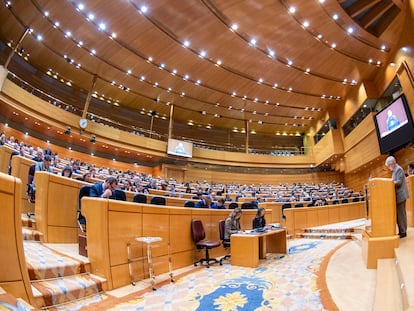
(350, 30)
(91, 16)
(113, 35)
(234, 26)
(174, 71)
(272, 53)
(198, 82)
(275, 85)
(253, 41)
(186, 43)
(370, 60)
(321, 1)
(289, 62)
(39, 37)
(129, 71)
(93, 51)
(218, 62)
(292, 9)
(320, 36)
(186, 77)
(203, 53)
(46, 13)
(68, 34)
(260, 80)
(333, 45)
(144, 9)
(383, 47)
(57, 24)
(305, 24)
(233, 93)
(307, 70)
(102, 26)
(335, 16)
(81, 6)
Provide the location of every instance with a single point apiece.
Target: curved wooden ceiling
(283, 65)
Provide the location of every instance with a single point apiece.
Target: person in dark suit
(205, 203)
(401, 194)
(104, 189)
(259, 221)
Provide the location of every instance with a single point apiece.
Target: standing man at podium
(401, 194)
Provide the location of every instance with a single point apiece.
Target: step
(28, 221)
(45, 263)
(388, 294)
(62, 290)
(337, 236)
(332, 230)
(404, 259)
(32, 235)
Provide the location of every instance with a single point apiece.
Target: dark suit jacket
(96, 190)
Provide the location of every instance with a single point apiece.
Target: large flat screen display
(394, 126)
(180, 148)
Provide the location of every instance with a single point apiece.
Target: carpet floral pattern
(279, 283)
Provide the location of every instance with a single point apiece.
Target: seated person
(104, 189)
(67, 171)
(86, 177)
(232, 224)
(219, 205)
(259, 221)
(204, 203)
(44, 165)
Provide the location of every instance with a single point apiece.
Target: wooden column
(246, 122)
(6, 64)
(88, 98)
(170, 125)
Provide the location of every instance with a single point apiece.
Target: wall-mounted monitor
(394, 125)
(180, 148)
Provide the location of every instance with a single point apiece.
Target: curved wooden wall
(14, 277)
(299, 218)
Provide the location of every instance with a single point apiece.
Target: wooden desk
(248, 248)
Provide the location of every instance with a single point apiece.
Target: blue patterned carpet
(279, 283)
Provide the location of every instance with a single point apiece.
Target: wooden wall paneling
(333, 212)
(323, 215)
(5, 153)
(311, 218)
(344, 212)
(96, 212)
(14, 277)
(362, 153)
(360, 132)
(410, 201)
(56, 207)
(20, 169)
(156, 223)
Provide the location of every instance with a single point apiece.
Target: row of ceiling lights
(349, 30)
(185, 77)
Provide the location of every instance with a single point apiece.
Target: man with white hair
(401, 193)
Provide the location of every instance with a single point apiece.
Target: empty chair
(285, 205)
(189, 204)
(31, 192)
(158, 200)
(225, 243)
(247, 205)
(299, 205)
(198, 234)
(83, 192)
(233, 205)
(140, 198)
(119, 195)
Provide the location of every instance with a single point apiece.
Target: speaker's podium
(379, 238)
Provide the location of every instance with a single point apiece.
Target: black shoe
(402, 235)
